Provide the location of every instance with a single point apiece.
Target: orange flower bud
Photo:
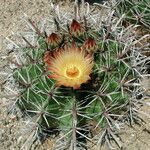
(76, 29)
(54, 40)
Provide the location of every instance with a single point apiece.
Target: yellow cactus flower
(70, 66)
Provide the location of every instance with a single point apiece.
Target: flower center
(72, 72)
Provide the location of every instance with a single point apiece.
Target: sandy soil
(11, 15)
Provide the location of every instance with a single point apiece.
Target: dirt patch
(12, 126)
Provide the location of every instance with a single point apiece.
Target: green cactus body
(137, 12)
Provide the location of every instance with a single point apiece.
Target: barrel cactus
(80, 78)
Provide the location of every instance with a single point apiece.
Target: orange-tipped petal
(47, 57)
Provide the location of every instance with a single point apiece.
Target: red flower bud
(76, 29)
(54, 40)
(90, 45)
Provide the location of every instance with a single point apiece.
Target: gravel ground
(11, 125)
